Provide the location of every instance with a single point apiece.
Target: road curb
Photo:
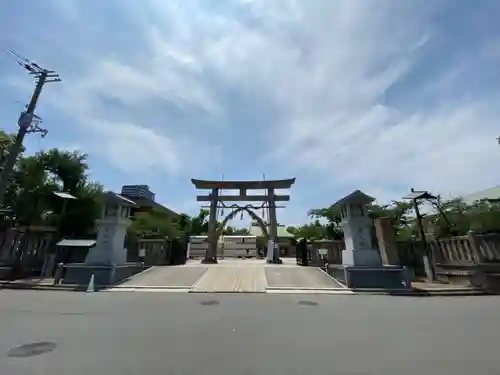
(312, 289)
(225, 292)
(59, 287)
(441, 292)
(427, 293)
(123, 286)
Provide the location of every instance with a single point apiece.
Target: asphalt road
(174, 333)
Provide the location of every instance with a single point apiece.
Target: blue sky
(379, 95)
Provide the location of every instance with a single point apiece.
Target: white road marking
(157, 290)
(310, 291)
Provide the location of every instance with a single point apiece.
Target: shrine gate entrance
(218, 201)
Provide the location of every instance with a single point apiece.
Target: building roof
(261, 184)
(492, 194)
(282, 232)
(356, 196)
(144, 202)
(76, 243)
(110, 197)
(63, 195)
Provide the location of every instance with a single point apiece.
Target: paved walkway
(232, 279)
(168, 276)
(233, 275)
(237, 275)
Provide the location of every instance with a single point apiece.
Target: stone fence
(463, 250)
(453, 256)
(27, 246)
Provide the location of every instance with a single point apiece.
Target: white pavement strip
(268, 291)
(142, 289)
(311, 291)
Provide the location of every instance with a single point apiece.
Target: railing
(451, 251)
(457, 251)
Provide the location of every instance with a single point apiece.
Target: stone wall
(156, 251)
(104, 275)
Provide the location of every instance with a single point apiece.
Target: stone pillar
(475, 247)
(273, 225)
(386, 241)
(211, 253)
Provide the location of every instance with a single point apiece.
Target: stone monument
(361, 264)
(107, 261)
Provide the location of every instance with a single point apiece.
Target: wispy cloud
(381, 96)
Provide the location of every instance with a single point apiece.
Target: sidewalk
(426, 289)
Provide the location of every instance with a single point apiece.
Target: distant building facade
(144, 198)
(491, 195)
(138, 192)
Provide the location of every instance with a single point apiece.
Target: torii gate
(215, 198)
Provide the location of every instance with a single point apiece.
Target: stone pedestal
(360, 258)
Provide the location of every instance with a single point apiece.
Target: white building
(238, 246)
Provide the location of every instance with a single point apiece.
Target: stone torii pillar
(211, 253)
(273, 222)
(273, 227)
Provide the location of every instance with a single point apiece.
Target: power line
(28, 122)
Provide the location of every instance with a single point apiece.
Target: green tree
(456, 218)
(397, 211)
(6, 141)
(240, 232)
(313, 230)
(154, 224)
(228, 230)
(400, 216)
(331, 215)
(37, 177)
(199, 224)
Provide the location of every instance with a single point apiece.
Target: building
(144, 198)
(492, 195)
(283, 234)
(138, 192)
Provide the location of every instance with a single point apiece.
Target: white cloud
(335, 86)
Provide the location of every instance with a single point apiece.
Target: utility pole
(28, 121)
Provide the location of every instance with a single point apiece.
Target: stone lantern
(361, 264)
(111, 231)
(357, 230)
